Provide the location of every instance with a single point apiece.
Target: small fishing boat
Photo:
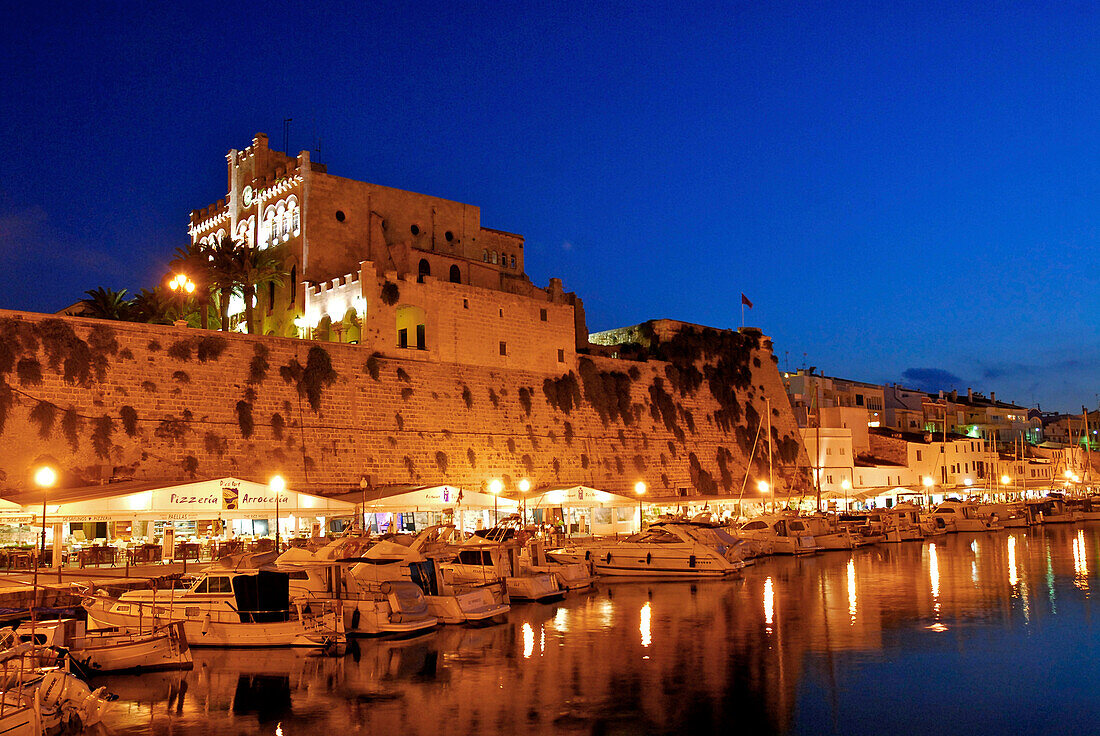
(966, 516)
(108, 650)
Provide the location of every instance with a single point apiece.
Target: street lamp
(639, 490)
(44, 478)
(928, 483)
(495, 487)
(278, 485)
(184, 287)
(763, 486)
(524, 486)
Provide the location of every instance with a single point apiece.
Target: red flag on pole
(745, 300)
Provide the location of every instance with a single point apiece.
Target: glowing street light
(525, 485)
(278, 485)
(44, 478)
(183, 287)
(639, 491)
(846, 485)
(495, 487)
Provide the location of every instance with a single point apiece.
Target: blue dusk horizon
(907, 193)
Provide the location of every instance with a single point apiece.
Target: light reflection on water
(663, 658)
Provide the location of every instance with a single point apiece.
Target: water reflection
(677, 657)
(852, 589)
(769, 604)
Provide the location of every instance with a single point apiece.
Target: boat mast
(1088, 442)
(768, 410)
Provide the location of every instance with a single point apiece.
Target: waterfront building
(398, 272)
(813, 393)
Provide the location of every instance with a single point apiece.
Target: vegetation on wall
(441, 461)
(70, 428)
(278, 425)
(29, 372)
(373, 366)
(402, 375)
(471, 457)
(102, 429)
(312, 380)
(44, 414)
(608, 392)
(129, 420)
(244, 418)
(258, 366)
(525, 400)
(562, 393)
(390, 293)
(467, 396)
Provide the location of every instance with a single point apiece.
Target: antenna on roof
(286, 134)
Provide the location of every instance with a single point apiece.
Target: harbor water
(963, 634)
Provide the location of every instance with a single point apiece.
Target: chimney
(992, 395)
(954, 395)
(969, 394)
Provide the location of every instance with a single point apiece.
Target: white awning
(440, 498)
(577, 497)
(224, 498)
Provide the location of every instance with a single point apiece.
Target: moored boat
(664, 550)
(226, 608)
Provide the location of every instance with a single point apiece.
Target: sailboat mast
(768, 410)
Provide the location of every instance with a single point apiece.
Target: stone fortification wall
(109, 400)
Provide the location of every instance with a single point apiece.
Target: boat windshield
(657, 536)
(213, 584)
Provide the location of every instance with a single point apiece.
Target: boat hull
(164, 649)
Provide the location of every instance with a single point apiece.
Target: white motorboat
(390, 604)
(571, 576)
(108, 650)
(1048, 510)
(664, 550)
(784, 535)
(965, 516)
(1008, 515)
(478, 561)
(826, 532)
(450, 603)
(226, 608)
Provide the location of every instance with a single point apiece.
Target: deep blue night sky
(906, 193)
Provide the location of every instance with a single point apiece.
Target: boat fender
(588, 554)
(691, 561)
(609, 558)
(355, 619)
(205, 624)
(649, 558)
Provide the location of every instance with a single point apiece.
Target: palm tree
(154, 306)
(223, 261)
(106, 304)
(258, 267)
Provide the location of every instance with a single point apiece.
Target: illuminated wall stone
(110, 400)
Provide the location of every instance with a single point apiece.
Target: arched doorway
(456, 275)
(424, 269)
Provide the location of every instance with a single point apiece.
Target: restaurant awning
(576, 497)
(427, 498)
(224, 498)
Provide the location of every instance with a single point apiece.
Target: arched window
(485, 256)
(513, 261)
(424, 269)
(456, 275)
(293, 283)
(493, 257)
